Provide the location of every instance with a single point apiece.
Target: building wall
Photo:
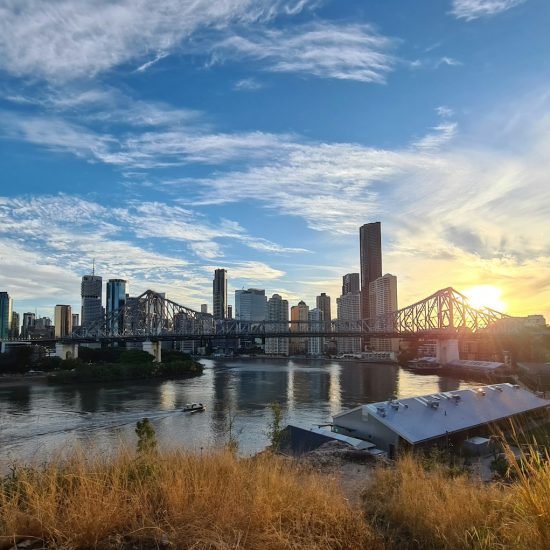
(383, 300)
(5, 314)
(366, 426)
(219, 294)
(116, 294)
(63, 321)
(298, 346)
(370, 243)
(277, 310)
(349, 309)
(90, 292)
(315, 345)
(350, 283)
(250, 305)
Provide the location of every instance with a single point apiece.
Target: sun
(485, 296)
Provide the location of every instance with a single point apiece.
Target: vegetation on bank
(127, 365)
(179, 500)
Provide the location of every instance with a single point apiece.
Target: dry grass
(180, 500)
(417, 507)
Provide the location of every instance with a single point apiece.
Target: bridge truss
(446, 313)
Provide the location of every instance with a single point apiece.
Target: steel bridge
(445, 314)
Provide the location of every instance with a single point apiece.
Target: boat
(424, 365)
(194, 407)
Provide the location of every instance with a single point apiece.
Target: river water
(37, 419)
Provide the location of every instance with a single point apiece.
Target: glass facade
(117, 291)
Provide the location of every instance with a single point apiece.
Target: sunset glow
(486, 296)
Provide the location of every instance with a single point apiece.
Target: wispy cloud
(474, 9)
(67, 39)
(326, 50)
(248, 85)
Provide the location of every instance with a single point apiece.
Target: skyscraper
(315, 345)
(349, 309)
(63, 321)
(90, 292)
(29, 319)
(277, 311)
(382, 300)
(204, 308)
(250, 305)
(370, 242)
(350, 283)
(219, 294)
(298, 346)
(76, 320)
(5, 314)
(116, 293)
(323, 303)
(15, 325)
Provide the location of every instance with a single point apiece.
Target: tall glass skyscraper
(370, 242)
(90, 292)
(219, 294)
(5, 314)
(116, 293)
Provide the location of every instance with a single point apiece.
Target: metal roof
(418, 419)
(479, 365)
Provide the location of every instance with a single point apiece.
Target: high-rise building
(277, 312)
(323, 303)
(349, 309)
(350, 283)
(230, 312)
(90, 292)
(315, 346)
(204, 308)
(250, 305)
(116, 294)
(28, 324)
(76, 320)
(219, 294)
(298, 346)
(370, 242)
(5, 314)
(63, 321)
(382, 300)
(15, 325)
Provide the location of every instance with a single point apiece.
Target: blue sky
(167, 138)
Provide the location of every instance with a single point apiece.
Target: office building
(230, 312)
(323, 303)
(315, 346)
(116, 294)
(15, 325)
(298, 346)
(349, 309)
(76, 320)
(383, 300)
(63, 321)
(5, 315)
(28, 324)
(90, 292)
(350, 283)
(370, 242)
(204, 308)
(277, 313)
(219, 294)
(250, 305)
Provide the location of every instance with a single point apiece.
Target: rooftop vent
(499, 388)
(456, 398)
(381, 411)
(433, 404)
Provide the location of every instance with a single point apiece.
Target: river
(37, 419)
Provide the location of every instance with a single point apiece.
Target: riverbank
(218, 500)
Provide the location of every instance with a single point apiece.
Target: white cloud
(65, 39)
(248, 85)
(473, 9)
(442, 133)
(326, 50)
(444, 112)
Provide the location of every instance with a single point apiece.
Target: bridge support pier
(154, 348)
(66, 351)
(447, 351)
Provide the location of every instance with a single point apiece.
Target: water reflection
(35, 418)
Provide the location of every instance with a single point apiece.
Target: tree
(147, 441)
(275, 431)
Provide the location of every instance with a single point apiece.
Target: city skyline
(259, 139)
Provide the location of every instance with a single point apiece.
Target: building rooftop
(419, 419)
(479, 365)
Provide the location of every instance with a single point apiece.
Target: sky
(167, 138)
